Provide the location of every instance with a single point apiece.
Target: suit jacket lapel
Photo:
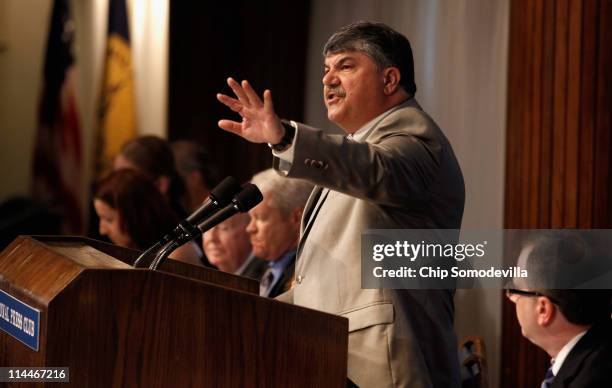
(284, 283)
(313, 205)
(587, 344)
(309, 207)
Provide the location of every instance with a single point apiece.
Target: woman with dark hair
(134, 214)
(153, 157)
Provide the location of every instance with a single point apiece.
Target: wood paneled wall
(559, 145)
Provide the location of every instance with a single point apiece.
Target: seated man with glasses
(572, 325)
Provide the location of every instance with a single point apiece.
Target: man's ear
(296, 216)
(392, 78)
(545, 310)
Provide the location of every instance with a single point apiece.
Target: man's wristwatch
(287, 138)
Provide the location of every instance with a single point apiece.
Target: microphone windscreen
(225, 191)
(248, 197)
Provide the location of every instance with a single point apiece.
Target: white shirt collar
(365, 129)
(360, 133)
(557, 362)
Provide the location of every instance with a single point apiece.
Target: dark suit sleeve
(399, 163)
(588, 363)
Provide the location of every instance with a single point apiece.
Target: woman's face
(110, 224)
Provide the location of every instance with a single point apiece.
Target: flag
(57, 175)
(117, 107)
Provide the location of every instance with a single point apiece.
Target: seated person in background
(572, 325)
(275, 228)
(198, 172)
(134, 214)
(228, 248)
(153, 157)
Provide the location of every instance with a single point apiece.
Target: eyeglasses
(514, 291)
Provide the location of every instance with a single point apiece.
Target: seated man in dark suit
(572, 325)
(275, 228)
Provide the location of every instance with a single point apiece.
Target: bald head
(227, 245)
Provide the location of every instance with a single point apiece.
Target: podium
(179, 326)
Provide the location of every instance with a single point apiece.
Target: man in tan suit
(394, 170)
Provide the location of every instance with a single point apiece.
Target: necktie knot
(266, 281)
(548, 378)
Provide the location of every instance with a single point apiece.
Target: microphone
(220, 196)
(244, 201)
(186, 230)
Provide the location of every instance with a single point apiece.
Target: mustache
(338, 91)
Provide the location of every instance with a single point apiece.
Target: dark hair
(190, 156)
(145, 214)
(561, 260)
(380, 42)
(153, 157)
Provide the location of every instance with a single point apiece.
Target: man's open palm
(260, 124)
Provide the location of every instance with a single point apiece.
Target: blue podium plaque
(19, 320)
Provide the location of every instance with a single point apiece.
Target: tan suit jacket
(402, 175)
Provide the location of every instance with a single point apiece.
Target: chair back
(472, 356)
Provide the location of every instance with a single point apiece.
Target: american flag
(58, 157)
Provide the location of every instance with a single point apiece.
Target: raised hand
(260, 124)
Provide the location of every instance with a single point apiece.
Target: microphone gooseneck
(187, 229)
(244, 201)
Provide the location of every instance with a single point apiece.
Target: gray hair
(385, 46)
(286, 194)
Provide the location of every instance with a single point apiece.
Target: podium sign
(19, 320)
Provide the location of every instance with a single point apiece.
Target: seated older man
(228, 248)
(275, 228)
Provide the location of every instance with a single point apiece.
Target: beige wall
(23, 32)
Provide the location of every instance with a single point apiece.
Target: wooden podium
(180, 326)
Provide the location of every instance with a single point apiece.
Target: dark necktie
(266, 281)
(548, 378)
